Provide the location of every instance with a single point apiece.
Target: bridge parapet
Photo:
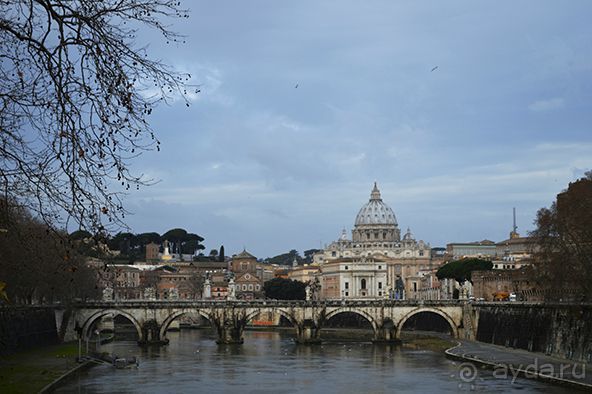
(263, 303)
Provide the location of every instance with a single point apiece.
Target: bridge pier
(151, 334)
(229, 325)
(230, 335)
(386, 333)
(308, 333)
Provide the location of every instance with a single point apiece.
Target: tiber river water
(270, 362)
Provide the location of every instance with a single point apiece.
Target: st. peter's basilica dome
(376, 211)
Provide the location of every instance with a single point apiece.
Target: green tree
(146, 238)
(182, 241)
(221, 256)
(122, 242)
(563, 253)
(460, 270)
(191, 246)
(176, 237)
(284, 289)
(191, 243)
(285, 258)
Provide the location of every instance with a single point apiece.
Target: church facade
(376, 262)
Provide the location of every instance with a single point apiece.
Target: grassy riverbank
(426, 341)
(31, 370)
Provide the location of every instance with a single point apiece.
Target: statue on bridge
(315, 288)
(388, 294)
(399, 289)
(108, 294)
(149, 293)
(207, 289)
(174, 294)
(231, 290)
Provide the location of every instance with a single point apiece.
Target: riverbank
(32, 370)
(429, 341)
(509, 363)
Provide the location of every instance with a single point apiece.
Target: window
(346, 293)
(380, 267)
(380, 285)
(257, 287)
(347, 285)
(346, 267)
(333, 254)
(244, 287)
(251, 287)
(363, 284)
(414, 286)
(421, 252)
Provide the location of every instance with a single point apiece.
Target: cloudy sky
(305, 104)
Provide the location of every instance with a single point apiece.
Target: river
(270, 362)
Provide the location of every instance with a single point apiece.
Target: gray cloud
(257, 162)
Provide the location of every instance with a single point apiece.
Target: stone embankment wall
(560, 330)
(26, 327)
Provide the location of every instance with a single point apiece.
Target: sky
(459, 110)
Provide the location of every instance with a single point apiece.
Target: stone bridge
(152, 318)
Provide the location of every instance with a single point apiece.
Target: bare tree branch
(75, 97)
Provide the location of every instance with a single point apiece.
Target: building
(152, 252)
(304, 273)
(377, 262)
(219, 285)
(264, 272)
(243, 262)
(514, 253)
(179, 285)
(248, 287)
(375, 231)
(485, 249)
(349, 277)
(521, 282)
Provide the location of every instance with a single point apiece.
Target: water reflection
(270, 362)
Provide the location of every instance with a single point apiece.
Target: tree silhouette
(563, 253)
(37, 266)
(461, 270)
(284, 289)
(76, 92)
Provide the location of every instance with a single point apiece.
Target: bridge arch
(279, 311)
(356, 311)
(446, 316)
(170, 318)
(97, 315)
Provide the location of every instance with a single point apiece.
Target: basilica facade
(376, 262)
